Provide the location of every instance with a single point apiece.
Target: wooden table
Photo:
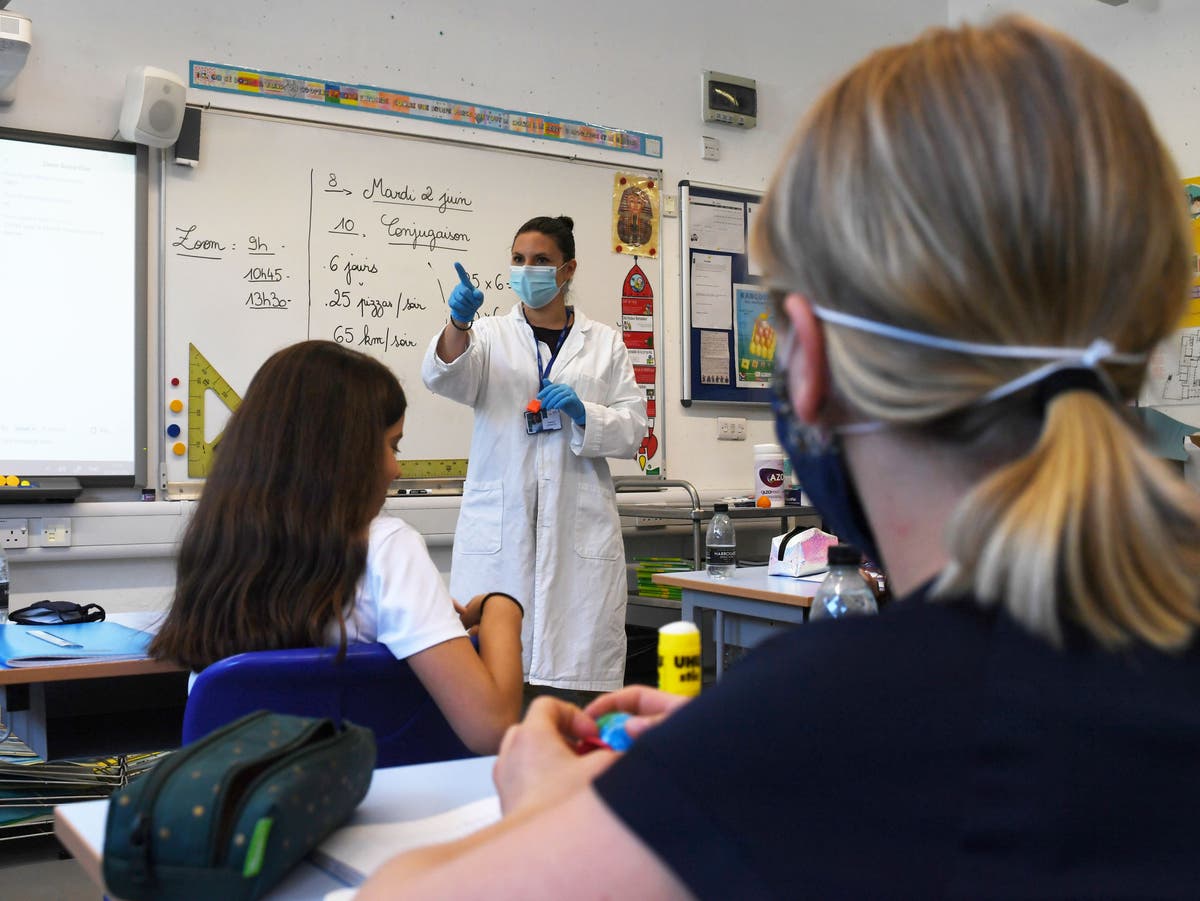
(96, 709)
(748, 607)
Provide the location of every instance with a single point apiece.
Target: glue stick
(679, 659)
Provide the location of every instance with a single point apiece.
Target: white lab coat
(539, 516)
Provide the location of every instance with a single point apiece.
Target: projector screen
(72, 333)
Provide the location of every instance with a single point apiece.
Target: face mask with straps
(816, 453)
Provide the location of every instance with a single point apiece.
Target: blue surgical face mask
(535, 285)
(820, 467)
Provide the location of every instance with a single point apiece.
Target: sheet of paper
(752, 265)
(68, 658)
(714, 358)
(353, 853)
(1173, 376)
(712, 291)
(715, 224)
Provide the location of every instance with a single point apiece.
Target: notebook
(353, 853)
(96, 642)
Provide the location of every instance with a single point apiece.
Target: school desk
(95, 709)
(397, 794)
(748, 607)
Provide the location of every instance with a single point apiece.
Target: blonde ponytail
(1003, 186)
(1090, 526)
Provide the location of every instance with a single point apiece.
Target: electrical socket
(730, 428)
(14, 533)
(54, 532)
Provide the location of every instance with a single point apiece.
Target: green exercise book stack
(648, 566)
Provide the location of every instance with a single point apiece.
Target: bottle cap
(844, 555)
(768, 450)
(720, 508)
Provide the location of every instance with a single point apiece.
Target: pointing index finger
(463, 277)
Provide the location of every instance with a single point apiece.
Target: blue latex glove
(562, 397)
(465, 299)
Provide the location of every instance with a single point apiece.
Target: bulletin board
(289, 229)
(727, 328)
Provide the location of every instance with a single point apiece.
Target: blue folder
(97, 641)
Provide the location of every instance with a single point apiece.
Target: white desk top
(396, 794)
(748, 582)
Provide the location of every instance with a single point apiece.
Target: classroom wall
(633, 65)
(630, 65)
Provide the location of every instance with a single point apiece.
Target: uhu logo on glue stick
(679, 658)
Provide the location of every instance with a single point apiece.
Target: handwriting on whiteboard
(356, 289)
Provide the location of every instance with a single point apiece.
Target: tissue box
(800, 552)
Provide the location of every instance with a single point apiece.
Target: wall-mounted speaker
(152, 111)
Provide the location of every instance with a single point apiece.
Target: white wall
(1152, 43)
(631, 65)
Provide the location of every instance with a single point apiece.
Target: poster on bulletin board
(728, 331)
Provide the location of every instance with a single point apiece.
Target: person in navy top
(975, 241)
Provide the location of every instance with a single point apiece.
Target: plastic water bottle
(720, 549)
(844, 592)
(3, 586)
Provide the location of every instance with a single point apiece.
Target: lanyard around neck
(544, 374)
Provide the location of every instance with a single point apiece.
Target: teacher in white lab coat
(554, 395)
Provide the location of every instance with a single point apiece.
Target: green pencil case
(229, 815)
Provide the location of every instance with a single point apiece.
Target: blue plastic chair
(369, 687)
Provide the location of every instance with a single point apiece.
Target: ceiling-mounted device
(729, 99)
(16, 37)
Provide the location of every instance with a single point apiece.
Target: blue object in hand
(612, 731)
(557, 396)
(465, 299)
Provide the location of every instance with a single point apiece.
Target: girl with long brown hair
(287, 547)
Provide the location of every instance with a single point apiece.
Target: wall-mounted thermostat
(729, 99)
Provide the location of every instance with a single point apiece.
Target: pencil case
(230, 814)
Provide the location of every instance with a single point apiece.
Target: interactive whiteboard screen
(71, 359)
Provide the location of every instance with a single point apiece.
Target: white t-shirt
(401, 599)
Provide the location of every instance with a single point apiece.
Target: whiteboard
(288, 230)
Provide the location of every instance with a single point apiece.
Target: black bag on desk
(57, 613)
(228, 816)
